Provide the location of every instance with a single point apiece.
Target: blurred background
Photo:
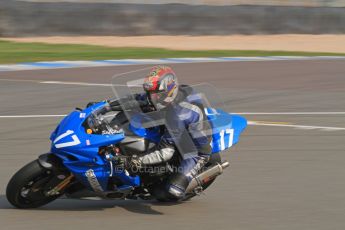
(288, 170)
(170, 17)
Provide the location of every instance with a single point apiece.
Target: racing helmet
(161, 86)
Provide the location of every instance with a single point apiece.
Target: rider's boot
(177, 186)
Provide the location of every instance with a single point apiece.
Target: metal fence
(307, 3)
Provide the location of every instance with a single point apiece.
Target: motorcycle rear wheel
(26, 189)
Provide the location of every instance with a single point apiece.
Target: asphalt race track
(287, 172)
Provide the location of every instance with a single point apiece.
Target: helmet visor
(157, 98)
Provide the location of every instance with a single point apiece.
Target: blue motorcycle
(89, 151)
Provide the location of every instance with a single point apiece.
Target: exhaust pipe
(206, 176)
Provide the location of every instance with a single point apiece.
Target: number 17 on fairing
(226, 135)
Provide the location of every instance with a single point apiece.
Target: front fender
(51, 162)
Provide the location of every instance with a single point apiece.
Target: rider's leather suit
(187, 129)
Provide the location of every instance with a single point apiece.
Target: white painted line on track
(19, 80)
(74, 83)
(85, 84)
(244, 113)
(325, 128)
(290, 113)
(254, 123)
(31, 116)
(139, 86)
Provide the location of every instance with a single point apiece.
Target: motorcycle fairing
(226, 128)
(79, 151)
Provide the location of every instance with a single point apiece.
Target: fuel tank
(135, 145)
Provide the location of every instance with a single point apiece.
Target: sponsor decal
(88, 142)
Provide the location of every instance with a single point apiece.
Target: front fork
(53, 164)
(61, 186)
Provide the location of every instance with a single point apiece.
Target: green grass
(13, 52)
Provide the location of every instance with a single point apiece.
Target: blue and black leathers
(187, 132)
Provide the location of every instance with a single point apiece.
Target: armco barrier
(35, 19)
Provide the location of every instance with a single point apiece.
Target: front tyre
(26, 188)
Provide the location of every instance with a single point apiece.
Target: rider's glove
(135, 164)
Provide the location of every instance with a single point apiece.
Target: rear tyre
(26, 188)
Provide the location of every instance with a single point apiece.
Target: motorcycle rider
(184, 114)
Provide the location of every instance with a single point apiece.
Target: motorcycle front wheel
(26, 189)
